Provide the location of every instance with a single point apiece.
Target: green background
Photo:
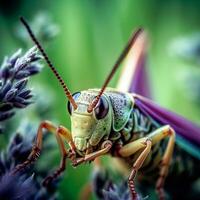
(92, 35)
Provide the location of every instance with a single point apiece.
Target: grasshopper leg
(36, 149)
(60, 131)
(155, 137)
(38, 145)
(136, 166)
(165, 164)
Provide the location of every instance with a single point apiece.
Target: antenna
(131, 41)
(66, 90)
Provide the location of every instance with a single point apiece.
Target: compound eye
(75, 97)
(101, 108)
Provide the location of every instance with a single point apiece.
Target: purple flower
(16, 187)
(27, 183)
(105, 189)
(14, 73)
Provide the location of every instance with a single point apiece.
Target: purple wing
(182, 126)
(140, 82)
(133, 77)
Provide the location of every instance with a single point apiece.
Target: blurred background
(84, 42)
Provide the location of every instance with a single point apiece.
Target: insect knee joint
(168, 130)
(148, 140)
(59, 129)
(171, 131)
(44, 124)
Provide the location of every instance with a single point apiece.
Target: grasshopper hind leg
(156, 136)
(165, 164)
(136, 166)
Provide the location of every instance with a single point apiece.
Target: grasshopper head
(88, 128)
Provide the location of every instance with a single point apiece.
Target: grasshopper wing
(133, 77)
(188, 134)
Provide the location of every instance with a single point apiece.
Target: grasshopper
(122, 122)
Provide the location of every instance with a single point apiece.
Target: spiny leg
(136, 166)
(67, 136)
(155, 137)
(62, 166)
(61, 132)
(165, 164)
(38, 145)
(36, 149)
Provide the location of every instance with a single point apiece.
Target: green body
(123, 123)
